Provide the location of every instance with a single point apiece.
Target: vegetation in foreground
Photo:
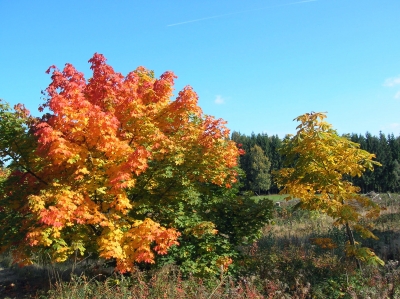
(283, 263)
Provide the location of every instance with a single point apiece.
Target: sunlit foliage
(76, 170)
(318, 162)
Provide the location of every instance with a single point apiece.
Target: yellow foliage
(325, 243)
(364, 254)
(224, 262)
(203, 228)
(318, 161)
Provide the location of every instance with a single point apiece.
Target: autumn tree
(318, 161)
(260, 178)
(89, 174)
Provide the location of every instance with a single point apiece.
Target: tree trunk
(352, 242)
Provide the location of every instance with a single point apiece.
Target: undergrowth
(284, 263)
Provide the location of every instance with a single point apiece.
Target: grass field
(273, 197)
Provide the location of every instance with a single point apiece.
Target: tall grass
(164, 283)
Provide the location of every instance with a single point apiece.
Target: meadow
(283, 263)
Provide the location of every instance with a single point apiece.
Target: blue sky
(256, 64)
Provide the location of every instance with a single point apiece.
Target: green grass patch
(273, 197)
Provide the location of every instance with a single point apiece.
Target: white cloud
(397, 95)
(390, 82)
(219, 100)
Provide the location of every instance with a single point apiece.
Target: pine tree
(260, 179)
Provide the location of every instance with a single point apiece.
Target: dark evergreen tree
(276, 160)
(383, 156)
(259, 178)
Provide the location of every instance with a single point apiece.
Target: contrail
(239, 12)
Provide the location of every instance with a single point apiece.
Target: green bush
(214, 225)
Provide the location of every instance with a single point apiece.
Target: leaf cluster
(90, 175)
(318, 162)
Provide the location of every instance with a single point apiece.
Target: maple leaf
(320, 160)
(101, 139)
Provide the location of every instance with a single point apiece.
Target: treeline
(262, 158)
(387, 150)
(261, 154)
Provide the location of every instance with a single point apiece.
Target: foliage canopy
(318, 162)
(110, 146)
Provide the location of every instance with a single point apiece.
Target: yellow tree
(318, 161)
(90, 151)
